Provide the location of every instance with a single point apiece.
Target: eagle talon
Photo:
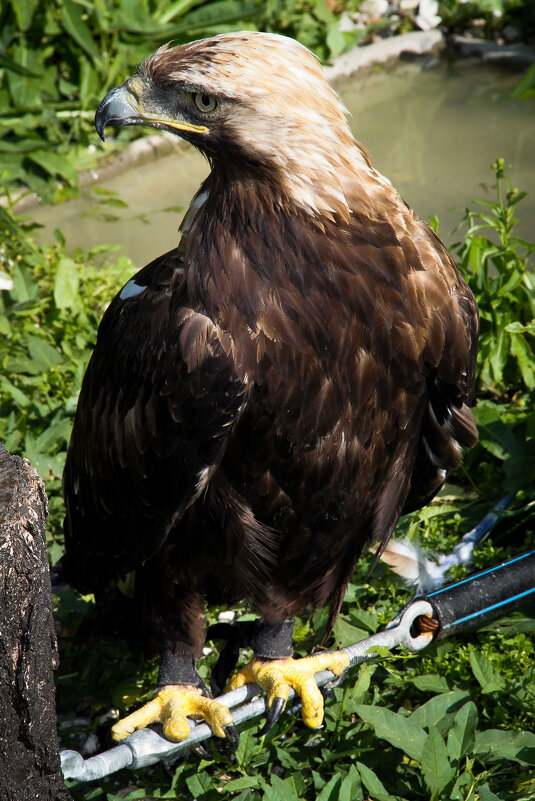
(328, 687)
(231, 735)
(172, 707)
(221, 747)
(276, 676)
(272, 716)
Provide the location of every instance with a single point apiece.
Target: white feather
(419, 568)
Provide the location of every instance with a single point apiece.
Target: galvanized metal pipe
(147, 746)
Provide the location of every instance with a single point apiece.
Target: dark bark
(29, 754)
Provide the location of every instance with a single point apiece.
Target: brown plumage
(269, 397)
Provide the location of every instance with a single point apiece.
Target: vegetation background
(455, 722)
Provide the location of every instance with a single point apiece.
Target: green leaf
(518, 328)
(24, 10)
(485, 794)
(17, 395)
(42, 354)
(350, 789)
(436, 767)
(485, 674)
(23, 87)
(365, 618)
(58, 433)
(71, 17)
(331, 790)
(336, 41)
(495, 435)
(526, 85)
(66, 284)
(279, 790)
(25, 288)
(373, 784)
(360, 688)
(498, 357)
(199, 783)
(177, 9)
(46, 465)
(525, 357)
(243, 783)
(462, 733)
(218, 13)
(441, 708)
(401, 732)
(13, 66)
(437, 510)
(55, 164)
(498, 745)
(22, 365)
(345, 633)
(431, 683)
(113, 201)
(10, 223)
(5, 327)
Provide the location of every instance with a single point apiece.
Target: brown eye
(205, 103)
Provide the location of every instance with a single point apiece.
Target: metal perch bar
(462, 553)
(146, 747)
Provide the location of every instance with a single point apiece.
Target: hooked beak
(123, 106)
(116, 110)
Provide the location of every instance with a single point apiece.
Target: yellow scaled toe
(276, 676)
(171, 707)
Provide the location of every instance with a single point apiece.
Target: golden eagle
(269, 397)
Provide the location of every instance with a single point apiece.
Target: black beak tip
(115, 110)
(101, 120)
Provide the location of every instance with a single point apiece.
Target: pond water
(433, 132)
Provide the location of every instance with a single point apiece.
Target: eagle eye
(205, 103)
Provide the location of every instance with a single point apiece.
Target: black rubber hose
(492, 593)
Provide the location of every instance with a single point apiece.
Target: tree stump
(29, 753)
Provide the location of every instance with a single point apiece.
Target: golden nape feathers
(278, 111)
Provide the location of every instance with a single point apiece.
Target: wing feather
(156, 408)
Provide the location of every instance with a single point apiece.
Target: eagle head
(257, 101)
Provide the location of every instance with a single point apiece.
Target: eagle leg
(180, 697)
(172, 707)
(275, 674)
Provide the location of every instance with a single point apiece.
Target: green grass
(454, 722)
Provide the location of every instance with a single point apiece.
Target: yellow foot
(171, 707)
(276, 676)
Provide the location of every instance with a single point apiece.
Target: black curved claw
(273, 714)
(217, 747)
(226, 746)
(327, 689)
(202, 751)
(232, 738)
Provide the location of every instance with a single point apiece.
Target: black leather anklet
(273, 640)
(178, 670)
